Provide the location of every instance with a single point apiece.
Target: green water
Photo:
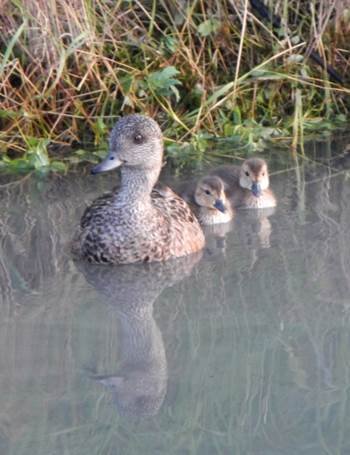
(244, 350)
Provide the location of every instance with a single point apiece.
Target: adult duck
(139, 222)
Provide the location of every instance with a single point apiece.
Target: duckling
(247, 186)
(137, 223)
(208, 200)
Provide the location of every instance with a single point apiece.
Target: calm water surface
(243, 350)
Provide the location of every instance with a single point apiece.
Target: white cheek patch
(245, 182)
(264, 184)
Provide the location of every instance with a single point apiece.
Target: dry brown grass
(69, 68)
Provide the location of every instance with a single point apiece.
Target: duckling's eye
(138, 138)
(207, 192)
(247, 173)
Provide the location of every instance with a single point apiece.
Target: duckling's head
(210, 193)
(135, 141)
(254, 176)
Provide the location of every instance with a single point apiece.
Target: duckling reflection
(140, 386)
(256, 227)
(216, 238)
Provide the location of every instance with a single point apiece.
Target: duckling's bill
(256, 189)
(110, 162)
(220, 205)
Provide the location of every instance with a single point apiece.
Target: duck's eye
(247, 173)
(207, 192)
(138, 138)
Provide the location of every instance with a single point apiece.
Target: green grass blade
(10, 46)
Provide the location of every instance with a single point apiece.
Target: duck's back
(185, 234)
(114, 234)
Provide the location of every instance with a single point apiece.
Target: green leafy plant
(163, 82)
(197, 67)
(208, 27)
(35, 158)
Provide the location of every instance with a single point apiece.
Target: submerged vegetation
(204, 69)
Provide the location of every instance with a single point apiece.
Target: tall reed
(68, 69)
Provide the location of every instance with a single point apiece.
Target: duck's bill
(256, 189)
(220, 205)
(110, 162)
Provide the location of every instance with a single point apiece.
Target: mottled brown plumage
(137, 223)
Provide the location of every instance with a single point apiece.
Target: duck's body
(208, 200)
(247, 186)
(137, 223)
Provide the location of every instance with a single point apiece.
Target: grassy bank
(203, 69)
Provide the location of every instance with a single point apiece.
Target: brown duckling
(208, 200)
(137, 223)
(247, 186)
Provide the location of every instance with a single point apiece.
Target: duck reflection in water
(252, 229)
(139, 387)
(256, 226)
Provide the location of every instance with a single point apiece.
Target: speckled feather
(138, 222)
(109, 233)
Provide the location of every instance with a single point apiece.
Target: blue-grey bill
(110, 162)
(256, 189)
(220, 205)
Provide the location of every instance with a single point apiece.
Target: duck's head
(135, 141)
(210, 193)
(254, 176)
